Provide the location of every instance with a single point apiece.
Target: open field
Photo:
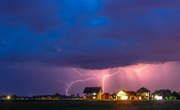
(89, 105)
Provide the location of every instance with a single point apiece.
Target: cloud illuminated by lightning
(77, 81)
(80, 80)
(107, 76)
(96, 75)
(141, 68)
(80, 74)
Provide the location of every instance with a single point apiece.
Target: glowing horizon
(138, 74)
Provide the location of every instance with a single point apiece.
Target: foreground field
(90, 105)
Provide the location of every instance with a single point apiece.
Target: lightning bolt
(107, 76)
(80, 74)
(77, 81)
(64, 83)
(138, 70)
(95, 76)
(80, 80)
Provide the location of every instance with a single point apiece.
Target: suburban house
(120, 95)
(132, 95)
(157, 96)
(143, 94)
(162, 94)
(92, 92)
(106, 96)
(125, 95)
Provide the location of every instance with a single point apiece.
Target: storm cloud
(90, 34)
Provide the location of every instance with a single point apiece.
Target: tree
(78, 96)
(175, 94)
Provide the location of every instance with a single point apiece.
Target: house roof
(143, 89)
(119, 91)
(106, 94)
(92, 89)
(131, 92)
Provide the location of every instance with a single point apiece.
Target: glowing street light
(8, 97)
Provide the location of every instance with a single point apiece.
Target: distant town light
(94, 97)
(8, 97)
(140, 98)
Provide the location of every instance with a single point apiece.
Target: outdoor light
(121, 92)
(8, 97)
(124, 97)
(156, 97)
(94, 97)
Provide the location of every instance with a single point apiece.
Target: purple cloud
(92, 34)
(38, 15)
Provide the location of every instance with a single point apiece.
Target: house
(92, 92)
(143, 94)
(157, 95)
(132, 95)
(114, 97)
(164, 94)
(120, 95)
(106, 96)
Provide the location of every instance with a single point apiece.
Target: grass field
(89, 105)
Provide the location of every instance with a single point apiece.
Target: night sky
(49, 46)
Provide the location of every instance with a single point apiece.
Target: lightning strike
(107, 76)
(94, 76)
(138, 70)
(64, 83)
(80, 74)
(77, 81)
(80, 80)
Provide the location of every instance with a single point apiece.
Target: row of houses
(141, 94)
(97, 93)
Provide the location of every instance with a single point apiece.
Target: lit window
(156, 97)
(124, 97)
(120, 93)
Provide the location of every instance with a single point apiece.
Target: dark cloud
(91, 34)
(41, 40)
(39, 15)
